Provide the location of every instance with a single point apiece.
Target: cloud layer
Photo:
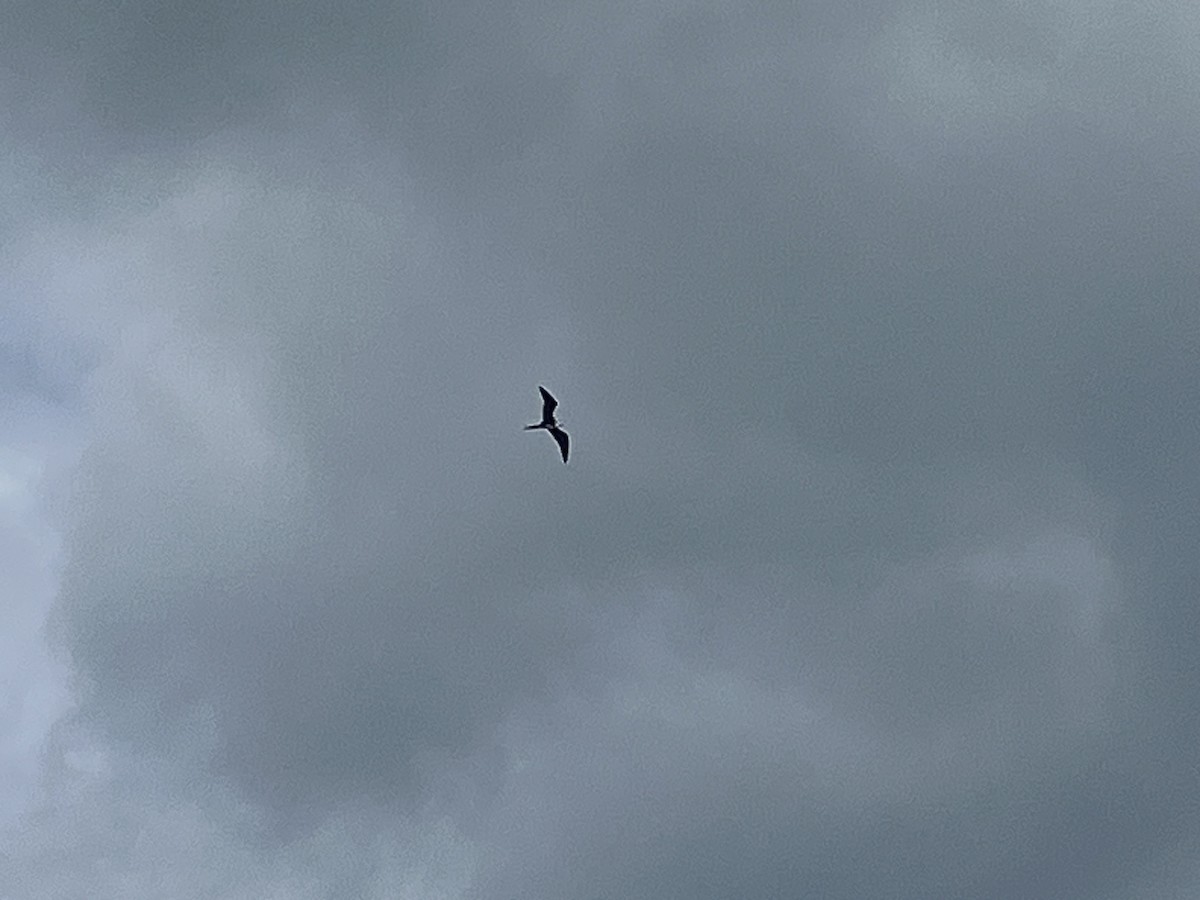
(871, 573)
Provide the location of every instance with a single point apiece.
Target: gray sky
(874, 570)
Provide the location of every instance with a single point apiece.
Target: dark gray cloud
(872, 571)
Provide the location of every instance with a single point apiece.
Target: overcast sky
(874, 572)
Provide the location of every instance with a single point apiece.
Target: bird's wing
(562, 440)
(548, 404)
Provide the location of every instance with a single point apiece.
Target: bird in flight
(550, 423)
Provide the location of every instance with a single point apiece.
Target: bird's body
(550, 424)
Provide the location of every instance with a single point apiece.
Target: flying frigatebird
(550, 423)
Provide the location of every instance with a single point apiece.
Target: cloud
(870, 574)
(36, 445)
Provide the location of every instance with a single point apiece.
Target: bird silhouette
(550, 423)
